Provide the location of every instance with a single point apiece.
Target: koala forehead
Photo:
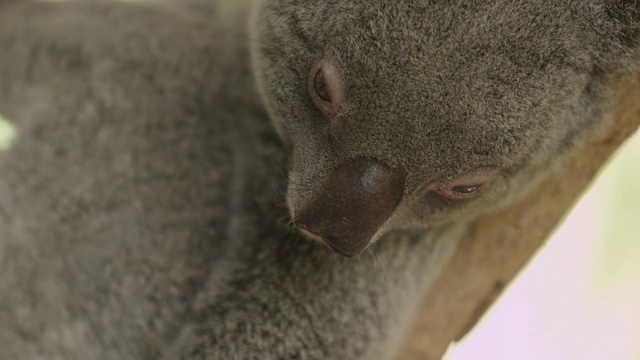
(462, 84)
(450, 78)
(475, 49)
(401, 30)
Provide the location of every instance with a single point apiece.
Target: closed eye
(464, 187)
(325, 88)
(459, 192)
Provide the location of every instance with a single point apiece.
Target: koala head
(408, 114)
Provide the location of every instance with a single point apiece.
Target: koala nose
(355, 200)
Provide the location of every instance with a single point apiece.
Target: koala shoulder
(130, 156)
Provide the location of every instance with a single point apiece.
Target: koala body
(141, 201)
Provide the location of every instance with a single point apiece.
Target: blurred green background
(7, 133)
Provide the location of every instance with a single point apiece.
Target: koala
(418, 113)
(271, 179)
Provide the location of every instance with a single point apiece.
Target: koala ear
(326, 87)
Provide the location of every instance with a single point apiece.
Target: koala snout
(354, 201)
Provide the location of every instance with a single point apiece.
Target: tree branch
(495, 248)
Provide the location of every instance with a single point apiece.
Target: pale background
(580, 296)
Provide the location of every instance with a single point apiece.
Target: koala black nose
(355, 200)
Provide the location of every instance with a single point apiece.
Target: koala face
(408, 114)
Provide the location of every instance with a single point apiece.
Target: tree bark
(495, 248)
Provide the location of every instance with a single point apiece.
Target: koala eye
(463, 187)
(320, 86)
(459, 192)
(466, 190)
(325, 88)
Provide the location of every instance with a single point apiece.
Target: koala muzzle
(353, 202)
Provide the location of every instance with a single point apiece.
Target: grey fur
(139, 211)
(439, 88)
